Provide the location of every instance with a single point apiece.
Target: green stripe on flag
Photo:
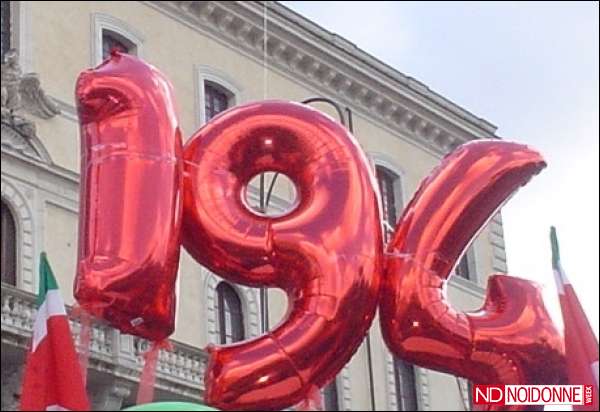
(555, 251)
(47, 280)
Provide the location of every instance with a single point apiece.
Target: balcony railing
(180, 371)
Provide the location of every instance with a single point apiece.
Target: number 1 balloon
(511, 339)
(131, 177)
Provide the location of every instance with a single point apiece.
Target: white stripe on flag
(56, 408)
(53, 306)
(561, 279)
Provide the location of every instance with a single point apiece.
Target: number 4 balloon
(511, 339)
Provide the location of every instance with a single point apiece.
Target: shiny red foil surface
(511, 339)
(142, 195)
(326, 253)
(130, 200)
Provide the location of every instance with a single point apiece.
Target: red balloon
(326, 253)
(130, 202)
(511, 339)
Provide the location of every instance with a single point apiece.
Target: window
(114, 41)
(465, 268)
(216, 99)
(8, 247)
(5, 29)
(391, 203)
(216, 91)
(330, 397)
(406, 390)
(462, 269)
(387, 181)
(230, 316)
(111, 33)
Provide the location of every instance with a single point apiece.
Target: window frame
(335, 384)
(469, 258)
(15, 222)
(20, 37)
(221, 314)
(398, 376)
(391, 181)
(9, 29)
(250, 307)
(381, 160)
(218, 90)
(101, 22)
(220, 79)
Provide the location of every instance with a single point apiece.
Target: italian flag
(581, 345)
(52, 380)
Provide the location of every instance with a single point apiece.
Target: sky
(532, 70)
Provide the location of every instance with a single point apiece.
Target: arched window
(230, 316)
(111, 33)
(216, 99)
(391, 201)
(8, 247)
(331, 397)
(406, 390)
(216, 91)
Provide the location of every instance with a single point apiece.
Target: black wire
(315, 99)
(329, 101)
(271, 186)
(264, 205)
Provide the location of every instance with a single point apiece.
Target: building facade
(217, 55)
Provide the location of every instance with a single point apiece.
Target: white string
(265, 37)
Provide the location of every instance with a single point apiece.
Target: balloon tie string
(265, 39)
(312, 402)
(85, 338)
(148, 377)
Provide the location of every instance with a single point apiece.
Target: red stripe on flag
(52, 375)
(581, 346)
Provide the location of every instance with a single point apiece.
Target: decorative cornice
(66, 176)
(299, 48)
(19, 143)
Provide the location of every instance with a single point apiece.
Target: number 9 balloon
(326, 253)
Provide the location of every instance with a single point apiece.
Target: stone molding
(302, 50)
(180, 371)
